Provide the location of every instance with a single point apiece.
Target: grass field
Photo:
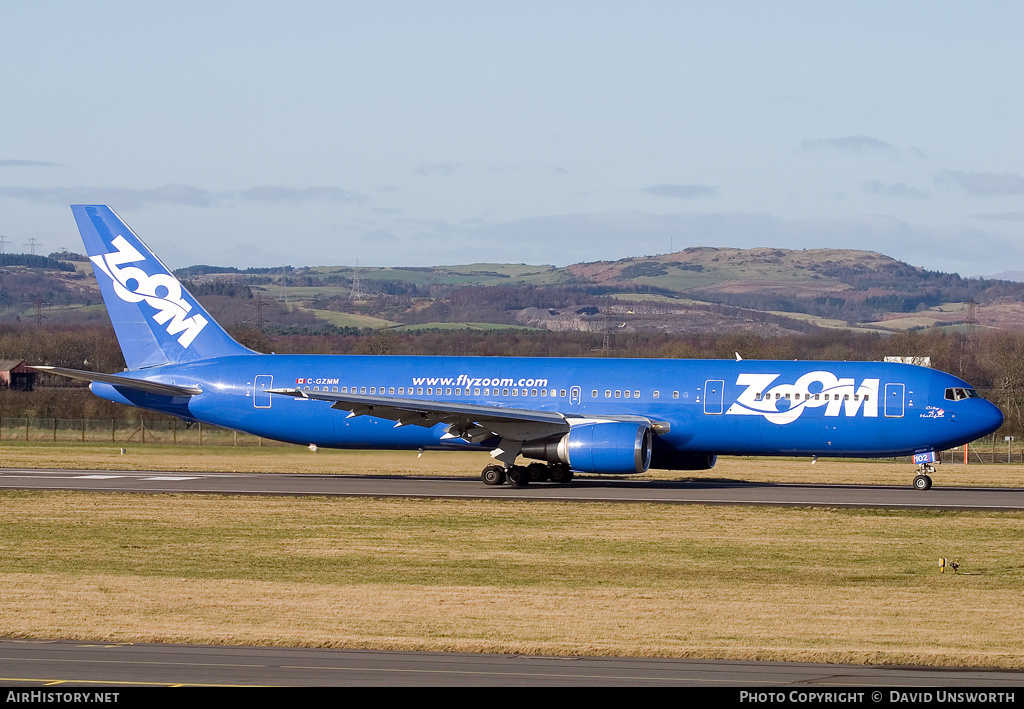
(523, 577)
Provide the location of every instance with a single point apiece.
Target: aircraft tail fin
(156, 320)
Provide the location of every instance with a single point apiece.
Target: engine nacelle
(598, 447)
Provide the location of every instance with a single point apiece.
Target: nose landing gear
(923, 480)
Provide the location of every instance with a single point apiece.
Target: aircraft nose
(988, 419)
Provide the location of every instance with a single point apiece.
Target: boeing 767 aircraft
(612, 416)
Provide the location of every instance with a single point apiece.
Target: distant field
(351, 319)
(459, 326)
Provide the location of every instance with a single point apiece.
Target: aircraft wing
(471, 422)
(122, 381)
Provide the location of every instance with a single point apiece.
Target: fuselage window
(543, 392)
(476, 392)
(401, 390)
(846, 397)
(533, 392)
(334, 388)
(344, 390)
(458, 392)
(363, 390)
(627, 393)
(675, 395)
(504, 392)
(430, 392)
(657, 394)
(561, 393)
(607, 393)
(448, 392)
(420, 391)
(618, 393)
(593, 393)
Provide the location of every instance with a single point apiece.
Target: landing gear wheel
(538, 472)
(922, 482)
(560, 474)
(519, 475)
(493, 475)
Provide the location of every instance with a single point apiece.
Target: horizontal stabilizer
(122, 381)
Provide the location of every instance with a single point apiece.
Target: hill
(702, 289)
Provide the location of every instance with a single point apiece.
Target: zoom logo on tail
(161, 291)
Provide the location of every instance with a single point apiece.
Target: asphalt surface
(709, 492)
(63, 664)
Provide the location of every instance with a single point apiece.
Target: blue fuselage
(749, 407)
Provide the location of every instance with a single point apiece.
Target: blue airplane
(612, 416)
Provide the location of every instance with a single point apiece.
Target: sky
(402, 133)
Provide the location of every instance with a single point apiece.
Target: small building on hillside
(15, 374)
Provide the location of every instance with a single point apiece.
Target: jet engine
(597, 447)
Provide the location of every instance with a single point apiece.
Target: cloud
(183, 195)
(1001, 217)
(898, 190)
(27, 163)
(983, 184)
(850, 145)
(681, 191)
(440, 169)
(123, 197)
(274, 195)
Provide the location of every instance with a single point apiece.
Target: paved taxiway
(61, 664)
(708, 492)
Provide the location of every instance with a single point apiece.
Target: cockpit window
(958, 393)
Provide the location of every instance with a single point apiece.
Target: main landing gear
(522, 475)
(923, 480)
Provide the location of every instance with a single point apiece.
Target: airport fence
(123, 431)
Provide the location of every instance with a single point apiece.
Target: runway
(61, 664)
(707, 492)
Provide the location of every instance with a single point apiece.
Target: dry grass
(754, 583)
